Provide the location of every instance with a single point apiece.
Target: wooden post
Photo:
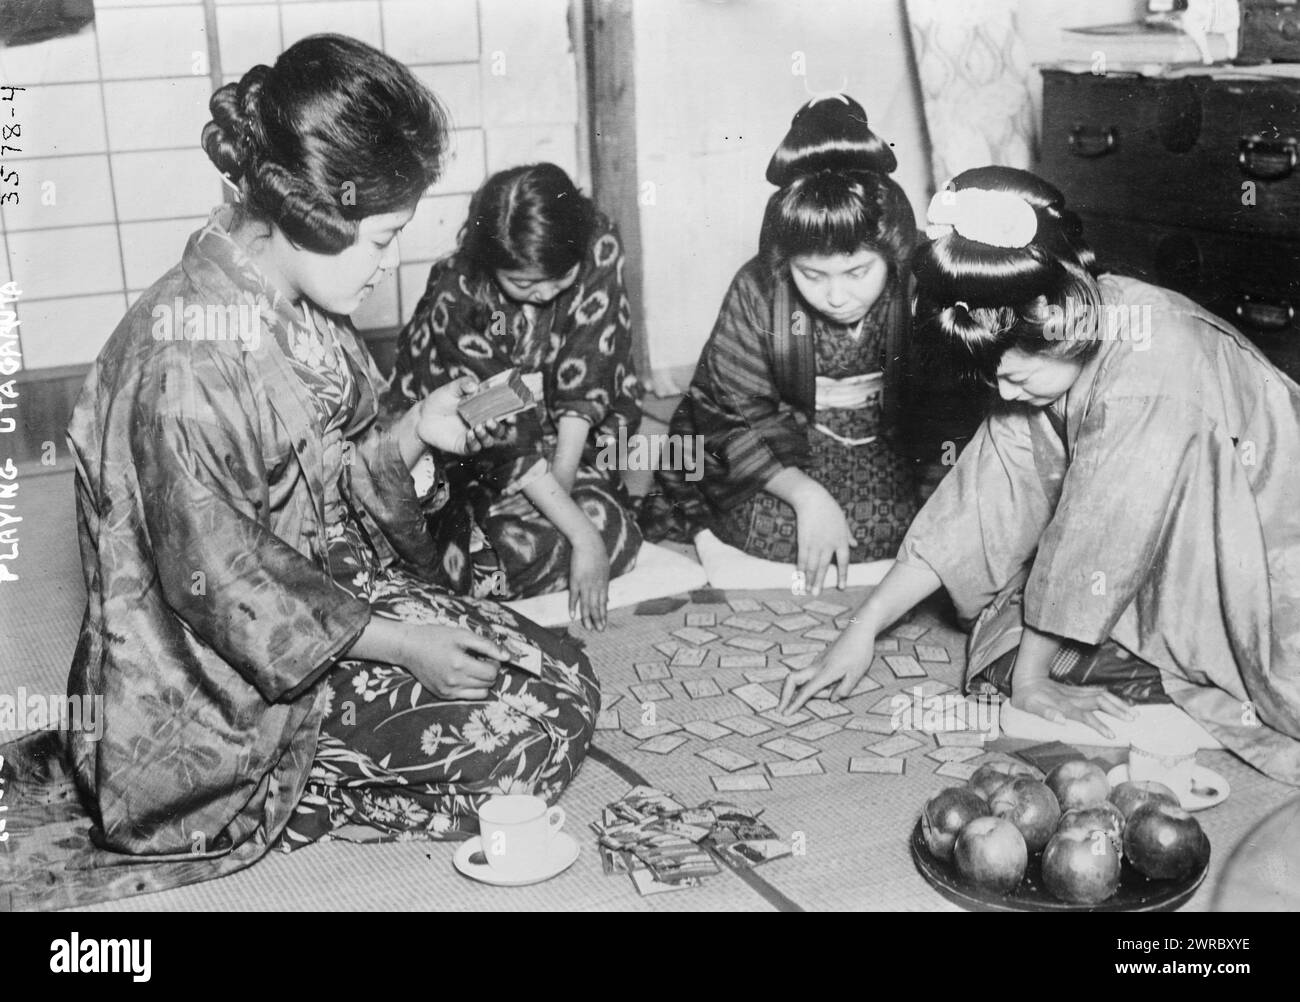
(611, 105)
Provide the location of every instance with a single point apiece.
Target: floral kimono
(491, 537)
(766, 395)
(1151, 509)
(244, 510)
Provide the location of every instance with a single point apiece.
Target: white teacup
(517, 831)
(1164, 759)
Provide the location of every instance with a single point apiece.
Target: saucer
(470, 861)
(1202, 778)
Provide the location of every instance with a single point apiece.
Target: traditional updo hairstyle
(526, 218)
(334, 132)
(1042, 297)
(834, 195)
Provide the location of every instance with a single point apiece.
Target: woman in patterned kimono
(274, 663)
(536, 285)
(797, 394)
(1124, 524)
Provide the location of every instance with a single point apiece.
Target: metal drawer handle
(1265, 315)
(1088, 141)
(1267, 159)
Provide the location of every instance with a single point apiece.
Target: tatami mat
(855, 828)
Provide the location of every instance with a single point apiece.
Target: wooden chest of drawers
(1190, 183)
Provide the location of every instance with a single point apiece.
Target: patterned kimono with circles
(492, 539)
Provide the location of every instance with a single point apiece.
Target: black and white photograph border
(885, 498)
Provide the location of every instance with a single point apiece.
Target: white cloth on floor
(1164, 719)
(733, 569)
(659, 572)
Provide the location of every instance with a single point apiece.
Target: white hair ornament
(994, 218)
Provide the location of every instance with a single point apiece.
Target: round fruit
(1128, 797)
(1078, 783)
(1104, 817)
(1030, 806)
(988, 777)
(1081, 867)
(946, 813)
(991, 854)
(1164, 842)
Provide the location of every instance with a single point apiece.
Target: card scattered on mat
(884, 766)
(805, 767)
(957, 770)
(607, 720)
(658, 606)
(663, 744)
(790, 748)
(725, 758)
(701, 688)
(746, 725)
(751, 660)
(747, 643)
(897, 745)
(755, 697)
(689, 657)
(651, 671)
(709, 730)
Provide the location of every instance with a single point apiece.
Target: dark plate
(1136, 893)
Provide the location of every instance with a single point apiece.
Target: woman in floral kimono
(536, 285)
(1125, 523)
(798, 394)
(274, 663)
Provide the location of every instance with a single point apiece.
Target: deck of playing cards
(501, 396)
(663, 845)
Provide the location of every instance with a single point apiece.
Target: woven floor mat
(854, 828)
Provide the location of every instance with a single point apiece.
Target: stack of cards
(664, 846)
(524, 655)
(501, 396)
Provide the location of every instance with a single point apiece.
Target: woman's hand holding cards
(441, 426)
(451, 663)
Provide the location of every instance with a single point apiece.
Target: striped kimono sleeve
(749, 433)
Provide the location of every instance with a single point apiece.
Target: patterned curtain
(974, 74)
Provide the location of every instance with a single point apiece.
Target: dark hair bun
(230, 138)
(957, 268)
(829, 133)
(334, 132)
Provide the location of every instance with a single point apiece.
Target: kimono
(1152, 507)
(244, 510)
(492, 539)
(754, 403)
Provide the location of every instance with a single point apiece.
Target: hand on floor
(589, 582)
(1058, 702)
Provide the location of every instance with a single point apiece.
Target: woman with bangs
(796, 393)
(536, 284)
(1123, 527)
